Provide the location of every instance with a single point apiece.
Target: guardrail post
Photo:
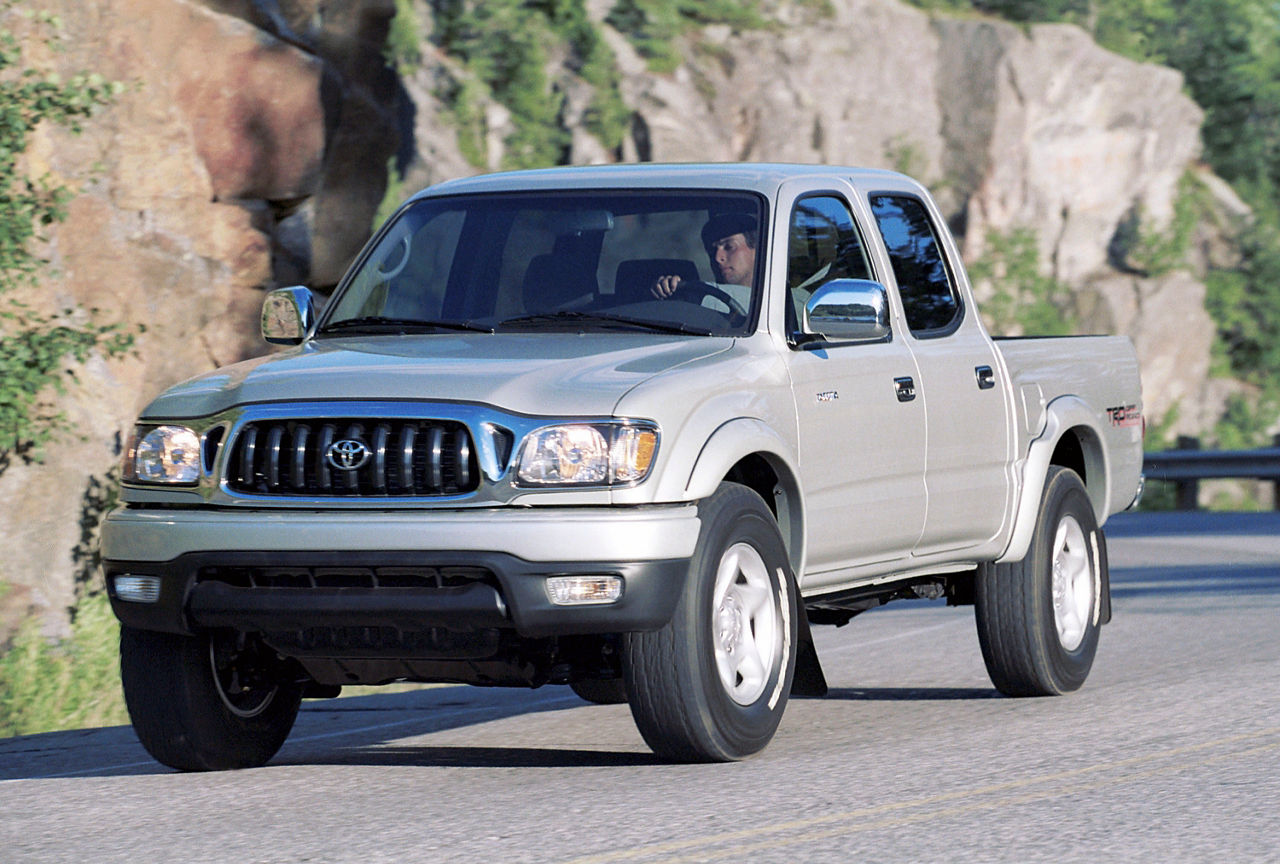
(1187, 496)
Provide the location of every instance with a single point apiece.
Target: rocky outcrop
(237, 156)
(251, 148)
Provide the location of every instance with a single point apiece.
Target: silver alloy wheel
(242, 697)
(744, 623)
(1074, 583)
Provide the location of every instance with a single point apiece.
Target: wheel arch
(749, 452)
(1070, 439)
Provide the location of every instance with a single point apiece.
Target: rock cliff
(251, 146)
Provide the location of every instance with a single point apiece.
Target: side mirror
(848, 310)
(288, 316)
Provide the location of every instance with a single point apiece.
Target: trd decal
(1125, 415)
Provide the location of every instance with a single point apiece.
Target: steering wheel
(694, 291)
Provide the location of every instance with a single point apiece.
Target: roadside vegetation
(1023, 300)
(45, 684)
(72, 683)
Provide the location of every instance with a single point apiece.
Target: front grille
(390, 458)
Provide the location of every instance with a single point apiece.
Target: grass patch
(74, 683)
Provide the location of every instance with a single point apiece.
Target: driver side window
(823, 243)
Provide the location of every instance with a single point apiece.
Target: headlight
(595, 454)
(163, 454)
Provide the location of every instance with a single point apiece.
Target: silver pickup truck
(632, 429)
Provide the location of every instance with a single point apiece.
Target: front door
(861, 436)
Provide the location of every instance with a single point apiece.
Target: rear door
(968, 471)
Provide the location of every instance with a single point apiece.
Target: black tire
(601, 691)
(1036, 643)
(209, 702)
(689, 705)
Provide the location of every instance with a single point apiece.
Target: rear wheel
(208, 702)
(1039, 618)
(712, 684)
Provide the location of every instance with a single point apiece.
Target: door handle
(986, 377)
(905, 388)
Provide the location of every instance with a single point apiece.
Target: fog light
(137, 589)
(583, 590)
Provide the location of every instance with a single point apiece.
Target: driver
(730, 240)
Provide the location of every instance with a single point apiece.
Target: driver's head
(730, 240)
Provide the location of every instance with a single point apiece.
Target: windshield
(555, 262)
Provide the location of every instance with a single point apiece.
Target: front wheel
(1039, 618)
(209, 702)
(712, 684)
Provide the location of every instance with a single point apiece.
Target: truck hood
(529, 373)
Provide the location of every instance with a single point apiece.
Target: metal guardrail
(1187, 465)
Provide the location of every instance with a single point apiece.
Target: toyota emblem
(347, 454)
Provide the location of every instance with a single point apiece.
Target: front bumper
(517, 549)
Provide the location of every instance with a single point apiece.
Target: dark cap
(726, 225)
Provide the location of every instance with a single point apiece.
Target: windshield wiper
(382, 322)
(604, 318)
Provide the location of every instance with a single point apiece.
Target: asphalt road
(1170, 753)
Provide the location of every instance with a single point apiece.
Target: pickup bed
(630, 429)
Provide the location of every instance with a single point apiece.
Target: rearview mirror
(848, 310)
(288, 315)
(578, 221)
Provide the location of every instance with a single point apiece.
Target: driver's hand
(665, 286)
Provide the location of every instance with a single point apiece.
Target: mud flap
(808, 679)
(1104, 577)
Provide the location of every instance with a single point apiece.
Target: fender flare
(736, 439)
(1061, 415)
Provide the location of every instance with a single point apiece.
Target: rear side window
(929, 295)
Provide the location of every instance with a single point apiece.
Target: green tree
(503, 44)
(1245, 303)
(1229, 53)
(608, 116)
(1035, 10)
(506, 46)
(653, 25)
(1134, 28)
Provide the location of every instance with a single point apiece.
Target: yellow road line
(975, 807)
(899, 806)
